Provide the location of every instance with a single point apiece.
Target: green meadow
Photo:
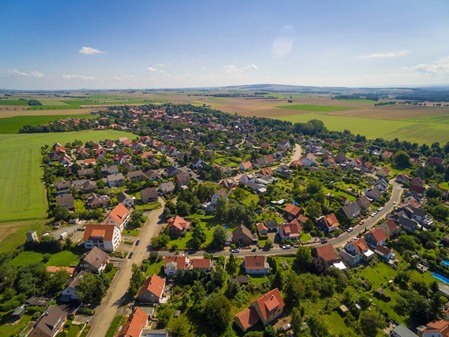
(23, 194)
(312, 107)
(13, 124)
(425, 130)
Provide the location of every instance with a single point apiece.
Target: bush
(109, 267)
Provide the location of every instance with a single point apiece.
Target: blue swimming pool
(446, 263)
(441, 277)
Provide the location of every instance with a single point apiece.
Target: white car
(350, 229)
(286, 247)
(380, 208)
(373, 214)
(235, 250)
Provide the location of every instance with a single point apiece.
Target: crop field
(311, 107)
(23, 195)
(13, 124)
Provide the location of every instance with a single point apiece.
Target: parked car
(130, 255)
(323, 240)
(379, 209)
(254, 249)
(350, 229)
(286, 247)
(235, 250)
(137, 242)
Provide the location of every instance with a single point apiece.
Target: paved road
(116, 298)
(296, 153)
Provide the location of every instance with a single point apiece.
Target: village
(208, 203)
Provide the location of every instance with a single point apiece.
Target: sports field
(23, 195)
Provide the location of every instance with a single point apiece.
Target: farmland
(311, 107)
(23, 195)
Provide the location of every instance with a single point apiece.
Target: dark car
(130, 255)
(137, 242)
(323, 240)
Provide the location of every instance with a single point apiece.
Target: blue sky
(166, 44)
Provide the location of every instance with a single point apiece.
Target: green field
(13, 102)
(64, 258)
(414, 131)
(311, 107)
(367, 101)
(23, 195)
(14, 124)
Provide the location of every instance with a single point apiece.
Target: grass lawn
(73, 331)
(154, 268)
(414, 131)
(131, 232)
(62, 259)
(367, 101)
(112, 273)
(147, 207)
(305, 237)
(7, 330)
(13, 234)
(182, 241)
(14, 124)
(25, 258)
(114, 326)
(320, 108)
(23, 195)
(337, 324)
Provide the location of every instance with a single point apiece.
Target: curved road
(117, 297)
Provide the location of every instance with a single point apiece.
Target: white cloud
(152, 69)
(438, 67)
(233, 69)
(385, 55)
(161, 64)
(90, 51)
(17, 73)
(77, 77)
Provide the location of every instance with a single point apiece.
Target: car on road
(323, 240)
(394, 202)
(379, 209)
(254, 249)
(130, 255)
(350, 229)
(235, 250)
(137, 242)
(286, 247)
(373, 214)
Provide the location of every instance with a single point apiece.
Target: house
(95, 261)
(17, 313)
(62, 186)
(256, 265)
(375, 237)
(351, 210)
(355, 251)
(135, 324)
(136, 176)
(381, 184)
(438, 328)
(261, 228)
(197, 163)
(258, 188)
(89, 186)
(204, 264)
(402, 331)
(283, 171)
(292, 211)
(221, 193)
(119, 217)
(329, 222)
(269, 306)
(108, 170)
(242, 236)
(148, 194)
(373, 194)
(341, 158)
(327, 253)
(66, 201)
(177, 226)
(152, 175)
(115, 180)
(364, 203)
(86, 172)
(383, 172)
(69, 293)
(383, 252)
(228, 183)
(166, 188)
(309, 160)
(436, 161)
(272, 225)
(125, 199)
(296, 164)
(98, 201)
(403, 219)
(390, 228)
(290, 231)
(245, 166)
(152, 290)
(402, 178)
(182, 179)
(240, 279)
(174, 263)
(172, 171)
(284, 143)
(106, 237)
(266, 309)
(50, 323)
(329, 162)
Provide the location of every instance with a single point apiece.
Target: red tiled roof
(255, 262)
(247, 318)
(331, 221)
(119, 213)
(327, 252)
(269, 303)
(201, 263)
(105, 231)
(246, 165)
(178, 259)
(177, 222)
(292, 209)
(261, 227)
(360, 246)
(153, 284)
(379, 234)
(135, 324)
